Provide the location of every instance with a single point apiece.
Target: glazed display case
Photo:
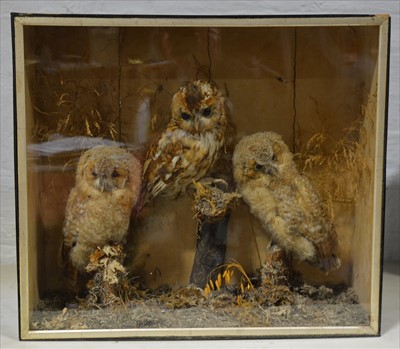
(320, 82)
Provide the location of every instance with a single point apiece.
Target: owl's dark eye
(207, 111)
(114, 174)
(94, 173)
(185, 116)
(273, 157)
(259, 167)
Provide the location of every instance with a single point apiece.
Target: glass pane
(112, 86)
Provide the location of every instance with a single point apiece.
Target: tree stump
(210, 250)
(212, 207)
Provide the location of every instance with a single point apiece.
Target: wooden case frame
(367, 259)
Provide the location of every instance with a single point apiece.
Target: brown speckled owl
(99, 206)
(283, 200)
(191, 143)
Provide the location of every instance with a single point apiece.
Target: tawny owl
(99, 206)
(191, 143)
(285, 201)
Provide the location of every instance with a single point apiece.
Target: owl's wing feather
(157, 188)
(164, 164)
(316, 226)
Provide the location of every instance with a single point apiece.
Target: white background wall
(203, 7)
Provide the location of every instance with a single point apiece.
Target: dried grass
(75, 107)
(336, 165)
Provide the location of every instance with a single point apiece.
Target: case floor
(389, 338)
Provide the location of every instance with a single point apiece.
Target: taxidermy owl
(191, 143)
(285, 202)
(99, 206)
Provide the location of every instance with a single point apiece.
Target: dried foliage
(336, 165)
(110, 283)
(212, 203)
(75, 107)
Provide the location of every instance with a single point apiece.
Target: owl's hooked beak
(196, 124)
(104, 184)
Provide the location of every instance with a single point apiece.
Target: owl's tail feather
(147, 194)
(326, 252)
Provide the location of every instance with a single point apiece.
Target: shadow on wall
(392, 220)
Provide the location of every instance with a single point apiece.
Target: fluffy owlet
(285, 202)
(191, 143)
(99, 206)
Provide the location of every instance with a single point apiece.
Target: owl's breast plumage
(181, 157)
(96, 218)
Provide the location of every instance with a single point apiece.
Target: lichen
(212, 203)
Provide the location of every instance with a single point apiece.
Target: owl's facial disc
(102, 180)
(191, 121)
